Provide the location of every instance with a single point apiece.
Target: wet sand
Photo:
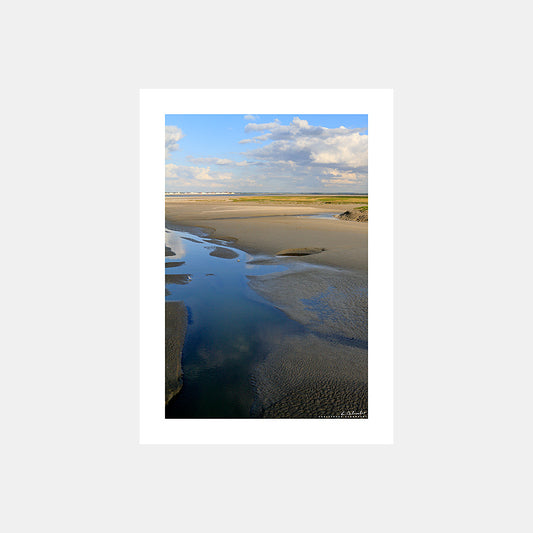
(332, 382)
(176, 326)
(224, 253)
(170, 264)
(325, 372)
(329, 302)
(322, 373)
(270, 229)
(178, 279)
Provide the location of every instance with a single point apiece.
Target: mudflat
(269, 229)
(176, 326)
(322, 372)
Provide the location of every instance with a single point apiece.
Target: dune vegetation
(302, 199)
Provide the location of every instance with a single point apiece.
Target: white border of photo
(378, 105)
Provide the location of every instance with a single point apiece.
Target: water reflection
(229, 325)
(175, 243)
(324, 216)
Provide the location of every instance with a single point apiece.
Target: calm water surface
(228, 330)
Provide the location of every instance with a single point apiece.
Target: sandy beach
(269, 229)
(323, 371)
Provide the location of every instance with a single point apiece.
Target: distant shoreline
(214, 193)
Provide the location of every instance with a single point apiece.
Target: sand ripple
(324, 372)
(305, 376)
(328, 301)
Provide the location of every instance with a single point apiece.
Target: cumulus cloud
(209, 160)
(218, 161)
(301, 143)
(200, 174)
(181, 178)
(316, 156)
(254, 140)
(258, 139)
(251, 117)
(261, 127)
(172, 135)
(334, 177)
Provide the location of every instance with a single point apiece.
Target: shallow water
(229, 326)
(323, 216)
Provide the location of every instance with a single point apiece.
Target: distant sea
(266, 193)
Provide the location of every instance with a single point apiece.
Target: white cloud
(346, 150)
(258, 139)
(262, 127)
(251, 117)
(334, 177)
(199, 174)
(331, 183)
(310, 157)
(209, 161)
(182, 178)
(217, 161)
(172, 135)
(303, 144)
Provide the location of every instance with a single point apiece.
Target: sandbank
(224, 253)
(269, 229)
(175, 328)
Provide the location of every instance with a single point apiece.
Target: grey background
(69, 219)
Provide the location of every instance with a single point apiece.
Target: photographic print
(265, 219)
(266, 266)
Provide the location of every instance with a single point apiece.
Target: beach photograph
(266, 266)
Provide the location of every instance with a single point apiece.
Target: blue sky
(266, 153)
